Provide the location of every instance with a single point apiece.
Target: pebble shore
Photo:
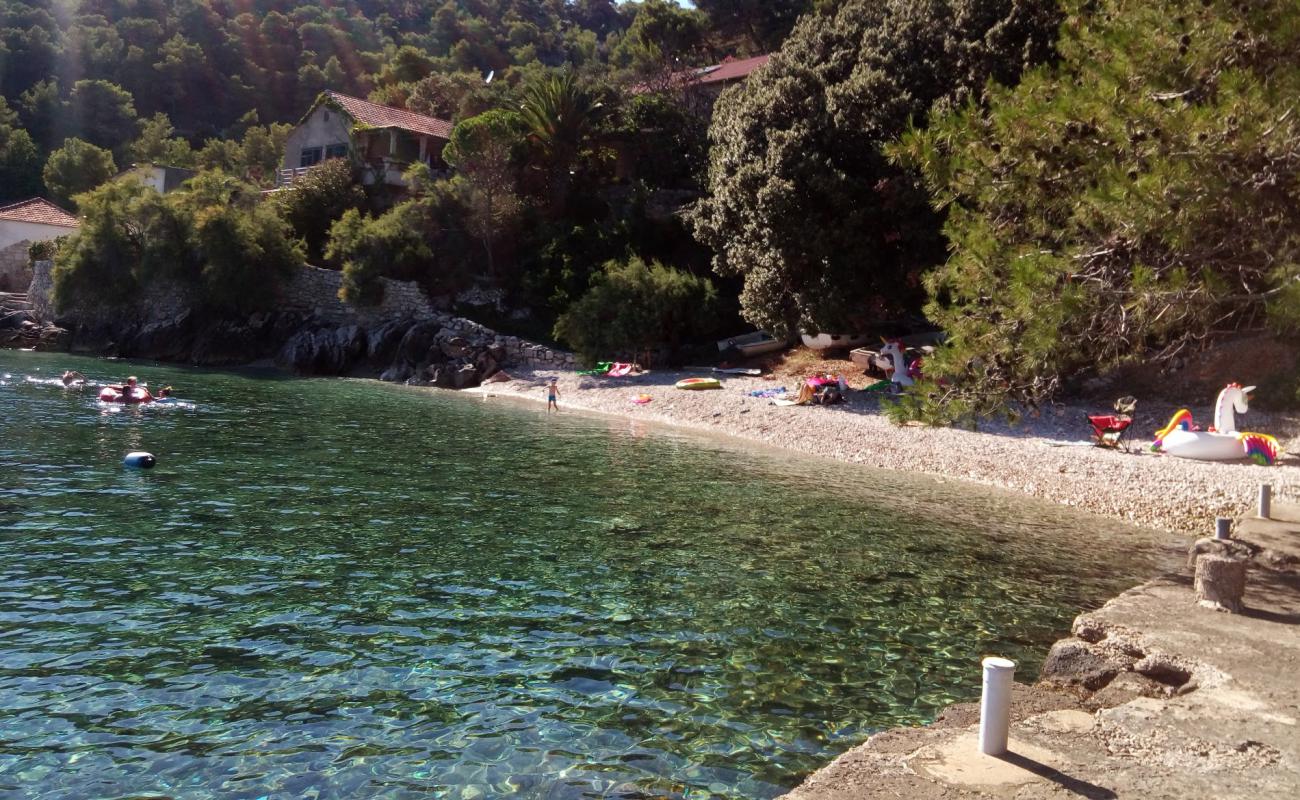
(1046, 457)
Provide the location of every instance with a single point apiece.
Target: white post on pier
(995, 705)
(1265, 500)
(1223, 527)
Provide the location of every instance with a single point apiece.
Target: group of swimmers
(130, 388)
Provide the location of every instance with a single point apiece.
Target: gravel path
(1139, 486)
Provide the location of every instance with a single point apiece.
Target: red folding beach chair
(1108, 429)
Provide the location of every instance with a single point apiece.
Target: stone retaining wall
(38, 293)
(14, 272)
(316, 291)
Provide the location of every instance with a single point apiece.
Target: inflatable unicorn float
(1222, 442)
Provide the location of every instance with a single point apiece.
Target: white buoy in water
(139, 459)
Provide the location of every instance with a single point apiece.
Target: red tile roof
(378, 116)
(730, 70)
(40, 211)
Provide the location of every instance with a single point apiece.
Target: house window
(336, 151)
(310, 157)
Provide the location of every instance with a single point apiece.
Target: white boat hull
(759, 349)
(831, 341)
(751, 344)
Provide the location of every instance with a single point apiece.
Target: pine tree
(1124, 204)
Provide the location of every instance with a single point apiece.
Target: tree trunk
(1220, 583)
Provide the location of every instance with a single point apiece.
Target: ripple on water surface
(341, 589)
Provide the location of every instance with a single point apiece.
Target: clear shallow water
(341, 589)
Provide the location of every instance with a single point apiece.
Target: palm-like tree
(559, 115)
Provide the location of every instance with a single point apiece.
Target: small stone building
(383, 141)
(21, 224)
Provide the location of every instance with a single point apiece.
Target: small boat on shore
(752, 344)
(833, 341)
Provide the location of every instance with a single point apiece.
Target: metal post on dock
(1265, 500)
(1223, 527)
(995, 705)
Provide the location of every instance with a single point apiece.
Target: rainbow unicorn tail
(1260, 448)
(1181, 419)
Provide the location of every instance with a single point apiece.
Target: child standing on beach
(552, 396)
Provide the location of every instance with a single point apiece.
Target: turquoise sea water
(346, 589)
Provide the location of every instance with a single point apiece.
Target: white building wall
(323, 127)
(153, 177)
(12, 232)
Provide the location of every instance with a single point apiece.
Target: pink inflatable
(114, 394)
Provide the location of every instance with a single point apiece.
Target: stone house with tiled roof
(383, 141)
(21, 224)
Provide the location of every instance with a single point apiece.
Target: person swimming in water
(72, 377)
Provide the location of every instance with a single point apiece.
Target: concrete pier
(1196, 703)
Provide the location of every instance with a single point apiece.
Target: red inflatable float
(116, 394)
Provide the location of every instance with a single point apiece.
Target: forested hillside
(208, 63)
(1063, 185)
(542, 196)
(104, 70)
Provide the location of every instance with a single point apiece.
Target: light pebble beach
(1046, 457)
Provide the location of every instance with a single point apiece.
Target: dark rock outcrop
(323, 351)
(1073, 662)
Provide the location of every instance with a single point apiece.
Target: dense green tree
(41, 110)
(30, 43)
(103, 114)
(763, 24)
(408, 65)
(254, 158)
(456, 95)
(663, 37)
(102, 261)
(244, 250)
(637, 307)
(158, 144)
(315, 200)
(20, 164)
(1136, 198)
(76, 167)
(213, 238)
(560, 116)
(665, 144)
(827, 234)
(486, 151)
(416, 240)
(387, 246)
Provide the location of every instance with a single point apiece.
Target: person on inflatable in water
(129, 392)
